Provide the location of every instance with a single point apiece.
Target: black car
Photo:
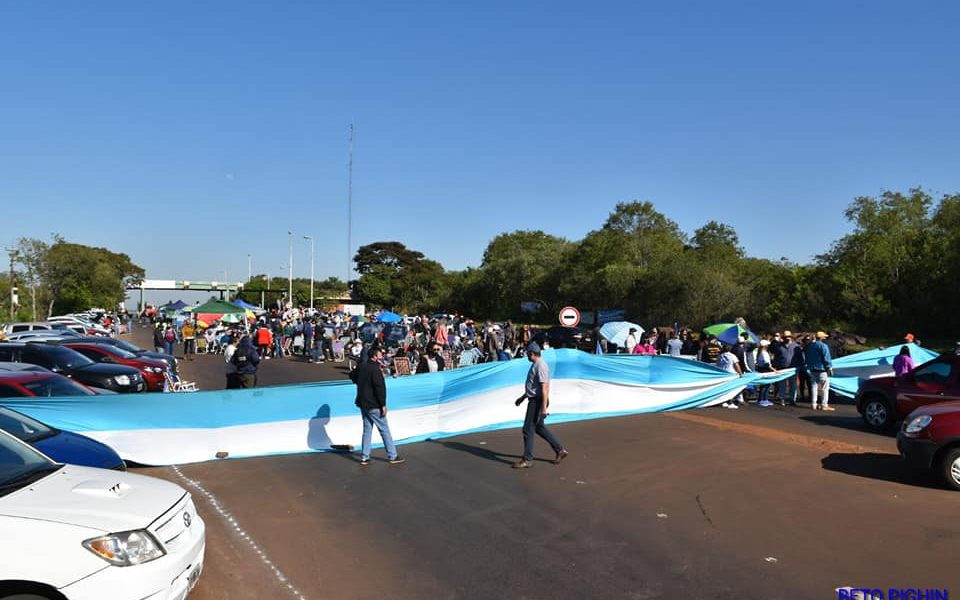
(116, 378)
(124, 345)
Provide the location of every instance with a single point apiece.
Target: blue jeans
(370, 418)
(533, 423)
(790, 383)
(170, 347)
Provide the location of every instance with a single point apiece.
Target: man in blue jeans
(372, 402)
(536, 392)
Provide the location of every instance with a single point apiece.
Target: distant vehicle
(77, 532)
(171, 362)
(152, 370)
(37, 381)
(10, 328)
(42, 335)
(88, 327)
(560, 337)
(116, 378)
(884, 401)
(930, 439)
(61, 446)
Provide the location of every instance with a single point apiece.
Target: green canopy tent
(216, 309)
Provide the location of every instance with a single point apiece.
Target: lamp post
(290, 268)
(310, 237)
(279, 303)
(250, 268)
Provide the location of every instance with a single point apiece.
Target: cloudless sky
(191, 134)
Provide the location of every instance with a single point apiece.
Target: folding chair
(177, 385)
(448, 360)
(401, 366)
(338, 353)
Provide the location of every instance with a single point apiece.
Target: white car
(77, 533)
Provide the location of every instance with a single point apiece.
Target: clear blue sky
(189, 134)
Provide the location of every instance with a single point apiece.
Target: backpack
(169, 335)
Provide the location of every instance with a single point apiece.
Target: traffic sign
(569, 316)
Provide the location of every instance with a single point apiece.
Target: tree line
(896, 269)
(58, 277)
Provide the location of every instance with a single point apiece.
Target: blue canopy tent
(246, 305)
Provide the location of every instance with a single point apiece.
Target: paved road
(755, 503)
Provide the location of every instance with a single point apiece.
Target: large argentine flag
(168, 429)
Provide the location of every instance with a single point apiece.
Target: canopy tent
(214, 310)
(729, 333)
(246, 305)
(173, 306)
(616, 332)
(388, 317)
(849, 371)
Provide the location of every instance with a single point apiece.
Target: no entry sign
(569, 316)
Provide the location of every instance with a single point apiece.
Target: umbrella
(389, 317)
(616, 332)
(358, 319)
(370, 331)
(729, 333)
(232, 318)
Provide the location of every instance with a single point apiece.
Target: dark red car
(151, 369)
(17, 384)
(930, 439)
(887, 400)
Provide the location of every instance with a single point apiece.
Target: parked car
(79, 532)
(886, 400)
(42, 335)
(61, 446)
(116, 378)
(930, 439)
(152, 370)
(38, 382)
(27, 326)
(171, 362)
(81, 326)
(560, 337)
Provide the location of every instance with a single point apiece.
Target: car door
(927, 384)
(9, 391)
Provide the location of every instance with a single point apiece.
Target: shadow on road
(479, 451)
(873, 465)
(844, 422)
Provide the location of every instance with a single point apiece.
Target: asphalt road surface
(711, 503)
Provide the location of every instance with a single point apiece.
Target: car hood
(109, 501)
(156, 356)
(67, 447)
(938, 408)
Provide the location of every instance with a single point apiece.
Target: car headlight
(126, 549)
(122, 379)
(917, 424)
(155, 369)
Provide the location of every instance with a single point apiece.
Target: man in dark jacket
(372, 402)
(246, 359)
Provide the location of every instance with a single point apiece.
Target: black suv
(116, 378)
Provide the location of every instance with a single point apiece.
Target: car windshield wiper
(25, 479)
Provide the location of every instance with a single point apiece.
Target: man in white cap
(820, 365)
(537, 394)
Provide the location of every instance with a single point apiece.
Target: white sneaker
(764, 403)
(732, 405)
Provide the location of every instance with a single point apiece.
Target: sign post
(569, 316)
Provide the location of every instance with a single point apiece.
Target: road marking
(239, 532)
(817, 443)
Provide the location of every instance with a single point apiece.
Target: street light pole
(249, 267)
(290, 268)
(310, 237)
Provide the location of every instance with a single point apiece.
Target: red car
(930, 439)
(151, 369)
(18, 384)
(886, 400)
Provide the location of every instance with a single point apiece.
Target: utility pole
(310, 237)
(290, 267)
(249, 267)
(350, 208)
(14, 298)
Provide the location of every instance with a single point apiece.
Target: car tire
(876, 413)
(950, 469)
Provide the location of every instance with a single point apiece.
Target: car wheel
(876, 413)
(950, 469)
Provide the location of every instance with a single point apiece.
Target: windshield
(20, 465)
(65, 358)
(117, 351)
(126, 346)
(56, 386)
(22, 426)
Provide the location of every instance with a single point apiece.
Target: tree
(79, 277)
(393, 276)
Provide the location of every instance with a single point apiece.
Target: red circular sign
(569, 316)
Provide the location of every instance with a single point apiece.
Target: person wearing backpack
(169, 339)
(246, 359)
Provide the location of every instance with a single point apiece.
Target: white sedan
(79, 533)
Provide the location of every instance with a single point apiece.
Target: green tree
(79, 277)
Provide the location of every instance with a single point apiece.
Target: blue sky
(190, 134)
